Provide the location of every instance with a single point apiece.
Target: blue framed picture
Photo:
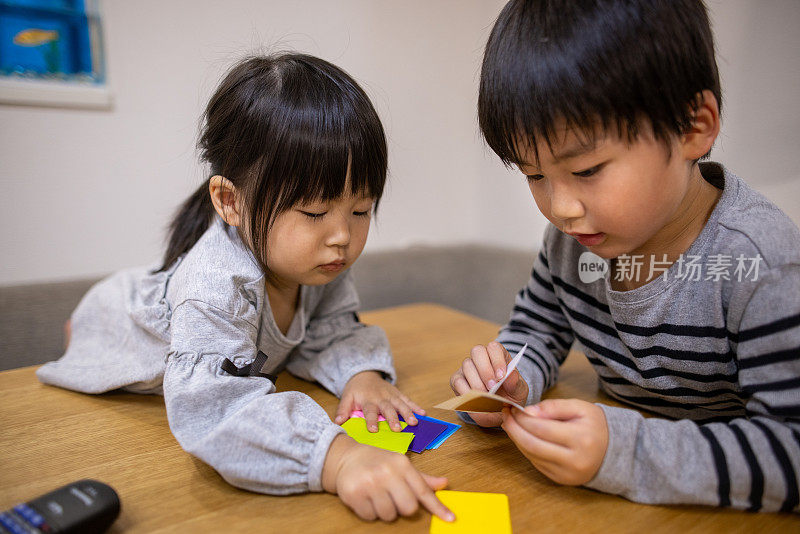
(51, 40)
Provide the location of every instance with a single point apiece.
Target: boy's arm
(255, 438)
(337, 345)
(751, 462)
(537, 319)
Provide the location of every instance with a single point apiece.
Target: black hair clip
(251, 369)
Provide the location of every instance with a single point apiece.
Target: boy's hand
(482, 370)
(369, 392)
(379, 484)
(566, 439)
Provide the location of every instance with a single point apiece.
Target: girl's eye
(362, 213)
(315, 216)
(588, 172)
(534, 177)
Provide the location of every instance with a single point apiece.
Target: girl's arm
(276, 443)
(337, 345)
(255, 438)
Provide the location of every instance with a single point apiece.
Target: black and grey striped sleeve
(750, 462)
(538, 320)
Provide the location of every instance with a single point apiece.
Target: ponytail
(190, 222)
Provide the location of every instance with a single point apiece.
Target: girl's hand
(379, 484)
(566, 439)
(370, 393)
(482, 370)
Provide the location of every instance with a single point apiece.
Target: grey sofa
(476, 279)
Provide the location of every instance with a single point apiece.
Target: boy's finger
(459, 384)
(533, 446)
(510, 385)
(550, 430)
(499, 359)
(483, 364)
(423, 485)
(561, 409)
(473, 378)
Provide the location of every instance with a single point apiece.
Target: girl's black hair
(590, 63)
(284, 129)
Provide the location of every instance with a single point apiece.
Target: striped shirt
(712, 351)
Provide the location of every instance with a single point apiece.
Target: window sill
(55, 94)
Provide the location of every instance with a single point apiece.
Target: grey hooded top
(170, 332)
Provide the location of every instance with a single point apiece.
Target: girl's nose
(339, 232)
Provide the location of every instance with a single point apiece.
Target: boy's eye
(588, 172)
(534, 177)
(313, 215)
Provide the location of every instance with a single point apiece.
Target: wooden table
(49, 437)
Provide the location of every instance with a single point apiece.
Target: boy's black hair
(284, 129)
(593, 63)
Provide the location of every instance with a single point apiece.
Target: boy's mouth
(589, 240)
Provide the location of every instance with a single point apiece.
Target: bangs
(291, 128)
(322, 125)
(592, 67)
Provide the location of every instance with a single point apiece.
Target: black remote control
(85, 507)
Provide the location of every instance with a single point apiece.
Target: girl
(255, 280)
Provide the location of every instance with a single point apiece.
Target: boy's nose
(564, 205)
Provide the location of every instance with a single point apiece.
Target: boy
(681, 283)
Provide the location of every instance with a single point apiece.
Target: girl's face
(311, 244)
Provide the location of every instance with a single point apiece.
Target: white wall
(87, 192)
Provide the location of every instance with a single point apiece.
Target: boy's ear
(700, 137)
(225, 198)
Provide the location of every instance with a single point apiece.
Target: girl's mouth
(333, 266)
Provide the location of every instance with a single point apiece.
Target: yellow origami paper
(384, 438)
(475, 513)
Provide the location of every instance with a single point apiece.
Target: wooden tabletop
(50, 437)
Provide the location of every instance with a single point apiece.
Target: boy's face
(613, 196)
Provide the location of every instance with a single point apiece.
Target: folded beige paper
(477, 401)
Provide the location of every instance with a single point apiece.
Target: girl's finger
(404, 499)
(383, 505)
(364, 509)
(344, 410)
(423, 486)
(389, 412)
(371, 415)
(415, 408)
(407, 412)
